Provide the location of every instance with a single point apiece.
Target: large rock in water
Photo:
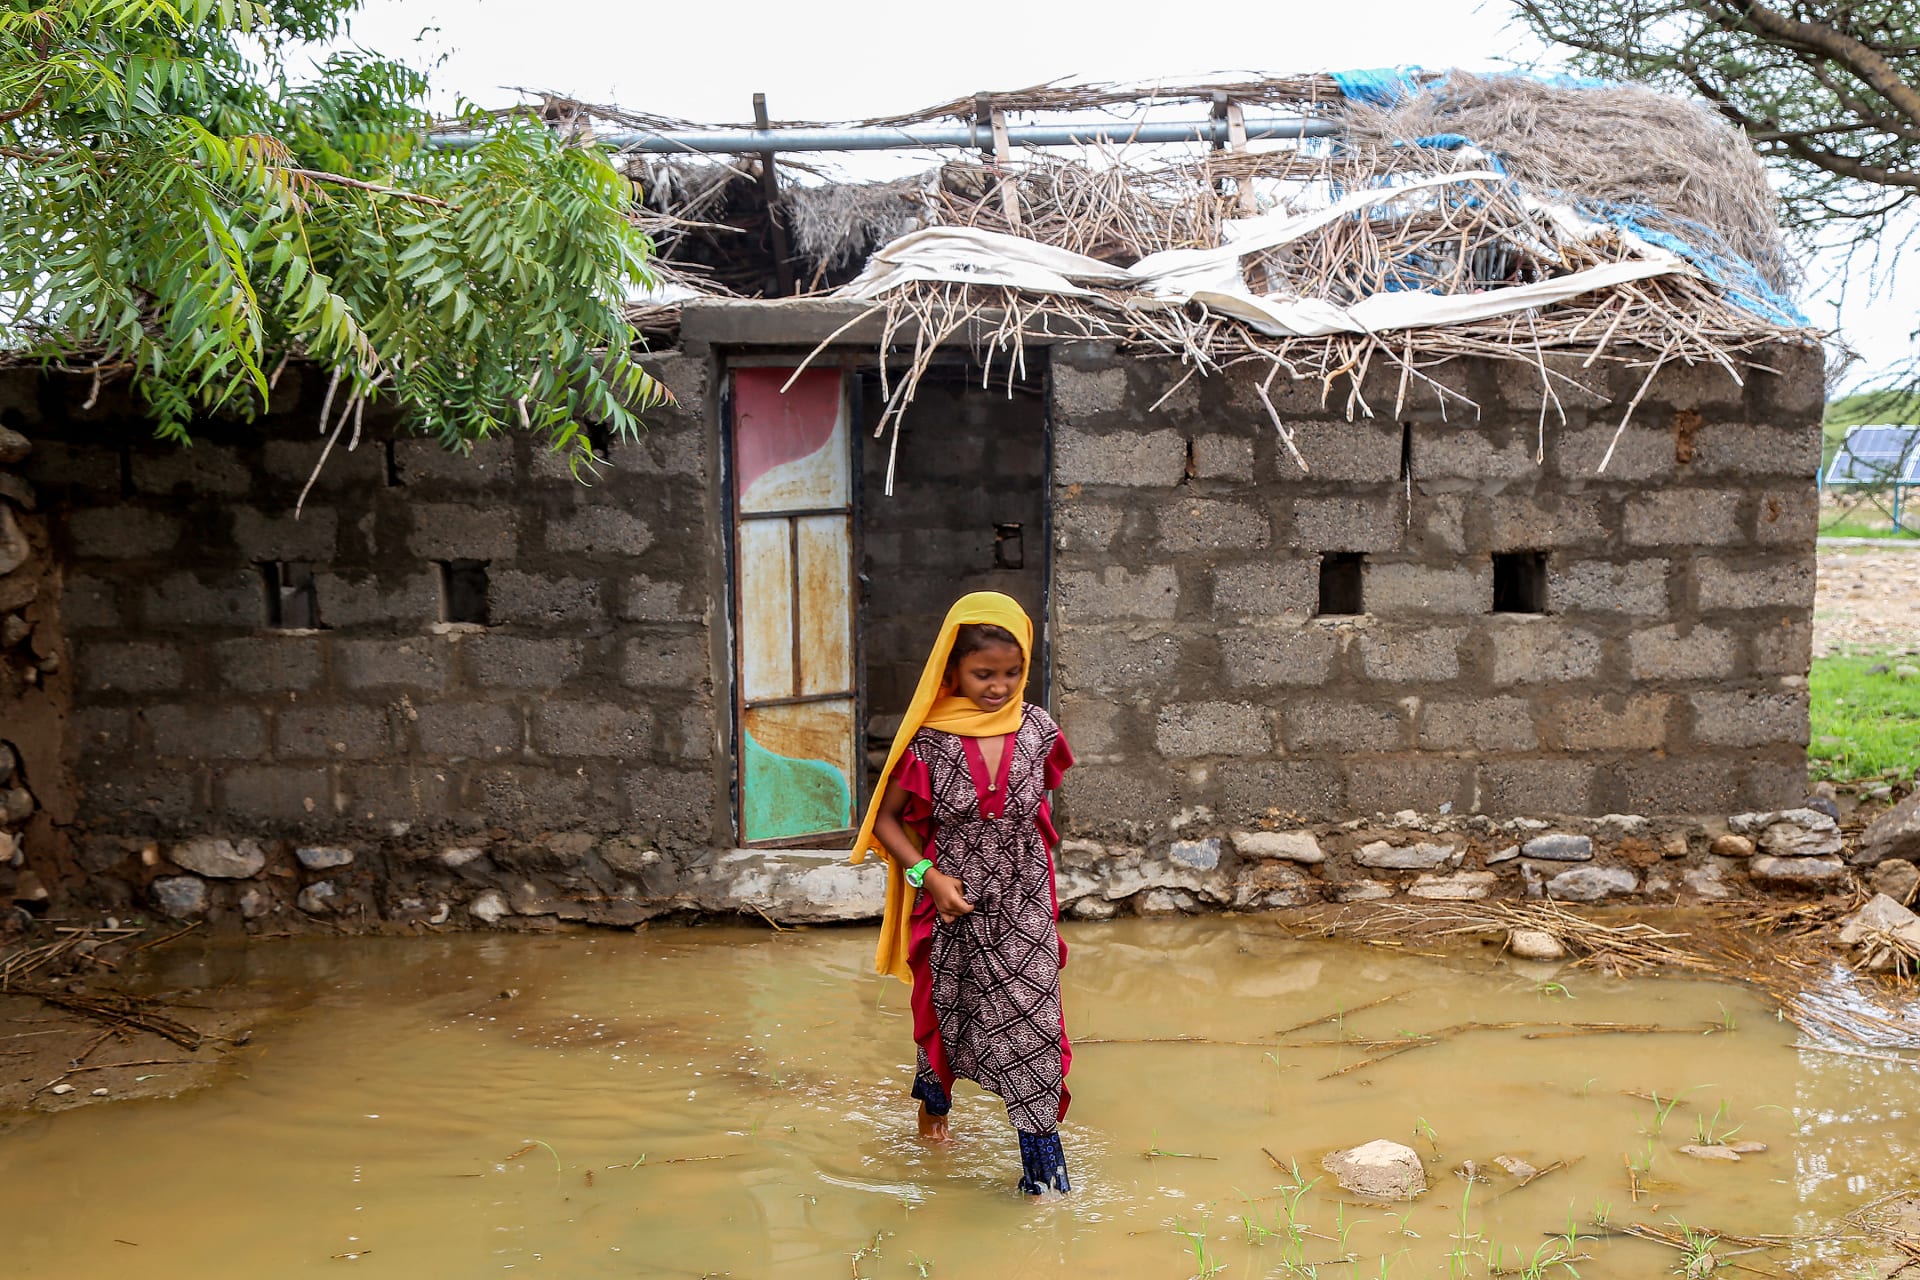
(1894, 834)
(1381, 1169)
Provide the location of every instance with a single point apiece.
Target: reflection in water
(723, 1102)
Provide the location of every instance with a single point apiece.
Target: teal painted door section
(794, 604)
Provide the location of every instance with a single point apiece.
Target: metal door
(794, 604)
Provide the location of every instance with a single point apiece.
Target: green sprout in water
(1711, 1131)
(1422, 1129)
(1550, 990)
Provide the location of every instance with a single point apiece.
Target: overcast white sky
(846, 59)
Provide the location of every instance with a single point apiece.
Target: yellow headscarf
(936, 707)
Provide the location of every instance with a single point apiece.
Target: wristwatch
(918, 871)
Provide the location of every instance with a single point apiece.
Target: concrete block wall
(584, 701)
(1667, 673)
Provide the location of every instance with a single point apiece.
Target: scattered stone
(14, 547)
(8, 763)
(1166, 902)
(14, 630)
(1559, 847)
(1906, 671)
(181, 897)
(1270, 885)
(1412, 857)
(16, 805)
(1590, 884)
(1380, 1169)
(99, 1093)
(1535, 944)
(490, 907)
(318, 898)
(11, 854)
(1894, 834)
(28, 892)
(1619, 825)
(1513, 1164)
(323, 857)
(1093, 909)
(1199, 855)
(14, 447)
(629, 856)
(1731, 846)
(1507, 854)
(1673, 845)
(1881, 915)
(1801, 833)
(1459, 887)
(1361, 891)
(1292, 846)
(1702, 1151)
(1527, 824)
(1878, 669)
(462, 856)
(254, 903)
(62, 1090)
(1745, 1148)
(1809, 871)
(441, 916)
(1707, 883)
(220, 859)
(1896, 878)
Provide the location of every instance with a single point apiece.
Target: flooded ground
(720, 1102)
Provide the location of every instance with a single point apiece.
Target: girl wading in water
(972, 920)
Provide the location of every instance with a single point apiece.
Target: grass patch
(1864, 725)
(1852, 528)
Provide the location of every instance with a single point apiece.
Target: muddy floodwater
(726, 1102)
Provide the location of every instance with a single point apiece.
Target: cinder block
(1783, 648)
(1786, 585)
(524, 796)
(1392, 590)
(398, 793)
(448, 531)
(1610, 722)
(102, 731)
(274, 792)
(1700, 653)
(231, 599)
(121, 533)
(1564, 384)
(594, 729)
(1136, 458)
(74, 468)
(1748, 449)
(1080, 526)
(1684, 386)
(1099, 799)
(645, 599)
(694, 734)
(1472, 453)
(207, 733)
(1212, 729)
(496, 661)
(1531, 788)
(1325, 725)
(1678, 786)
(1409, 782)
(199, 470)
(472, 730)
(428, 464)
(1478, 724)
(1300, 790)
(1367, 449)
(338, 732)
(1116, 591)
(356, 471)
(1094, 726)
(1396, 654)
(599, 531)
(277, 535)
(1278, 654)
(1684, 518)
(1641, 452)
(130, 666)
(666, 661)
(1794, 383)
(88, 603)
(676, 806)
(399, 601)
(1440, 523)
(164, 795)
(1222, 457)
(1205, 524)
(268, 663)
(1081, 393)
(535, 599)
(1525, 522)
(1638, 587)
(1775, 784)
(1266, 588)
(1788, 517)
(1750, 718)
(1117, 658)
(1348, 524)
(418, 662)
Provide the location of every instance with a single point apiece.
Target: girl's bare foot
(933, 1128)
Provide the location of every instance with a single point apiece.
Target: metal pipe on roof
(923, 137)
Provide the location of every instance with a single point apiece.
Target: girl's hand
(947, 894)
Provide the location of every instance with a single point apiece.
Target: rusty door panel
(826, 640)
(791, 448)
(766, 610)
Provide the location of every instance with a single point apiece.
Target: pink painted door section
(794, 604)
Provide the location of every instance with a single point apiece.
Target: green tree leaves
(172, 209)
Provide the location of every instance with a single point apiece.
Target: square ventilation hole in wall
(1341, 576)
(463, 591)
(1520, 582)
(291, 604)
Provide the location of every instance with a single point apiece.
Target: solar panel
(1912, 474)
(1876, 454)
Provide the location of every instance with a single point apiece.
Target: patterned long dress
(986, 988)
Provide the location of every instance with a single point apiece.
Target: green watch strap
(918, 871)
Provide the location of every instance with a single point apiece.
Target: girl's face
(990, 676)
